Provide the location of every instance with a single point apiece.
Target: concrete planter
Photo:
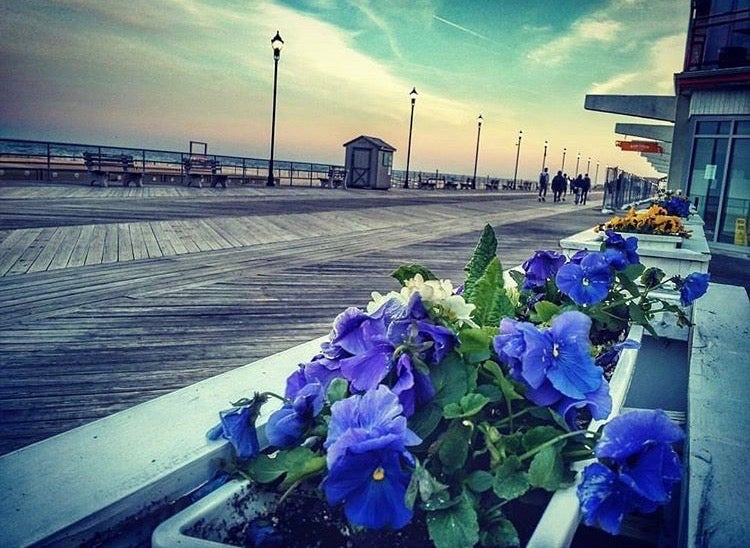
(693, 255)
(205, 523)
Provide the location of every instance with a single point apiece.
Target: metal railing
(622, 189)
(47, 160)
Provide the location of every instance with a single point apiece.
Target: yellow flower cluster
(654, 220)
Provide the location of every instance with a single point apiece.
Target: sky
(159, 73)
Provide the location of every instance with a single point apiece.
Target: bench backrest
(98, 160)
(198, 164)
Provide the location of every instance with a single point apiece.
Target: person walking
(565, 185)
(576, 186)
(543, 180)
(558, 183)
(585, 187)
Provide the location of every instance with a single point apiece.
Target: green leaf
(480, 481)
(424, 421)
(295, 464)
(546, 469)
(475, 343)
(545, 311)
(490, 298)
(451, 379)
(518, 277)
(509, 388)
(633, 271)
(639, 316)
(406, 272)
(453, 447)
(337, 390)
(266, 468)
(468, 406)
(511, 481)
(501, 534)
(484, 252)
(538, 435)
(454, 527)
(424, 485)
(491, 392)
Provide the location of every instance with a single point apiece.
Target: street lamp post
(413, 96)
(276, 43)
(562, 168)
(588, 165)
(578, 160)
(518, 152)
(476, 155)
(544, 158)
(596, 177)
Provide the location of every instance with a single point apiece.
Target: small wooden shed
(369, 163)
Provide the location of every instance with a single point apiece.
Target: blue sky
(158, 74)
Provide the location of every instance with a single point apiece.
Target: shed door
(360, 167)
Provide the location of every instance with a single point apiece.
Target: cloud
(365, 7)
(580, 35)
(663, 59)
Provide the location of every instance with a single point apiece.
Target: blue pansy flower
(693, 287)
(368, 461)
(637, 470)
(677, 205)
(555, 364)
(366, 422)
(588, 282)
(286, 426)
(541, 267)
(620, 252)
(413, 387)
(238, 426)
(372, 486)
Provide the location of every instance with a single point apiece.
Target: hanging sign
(640, 146)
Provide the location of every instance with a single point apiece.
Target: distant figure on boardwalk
(543, 180)
(576, 186)
(585, 187)
(558, 183)
(565, 185)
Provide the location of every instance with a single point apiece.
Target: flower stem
(531, 452)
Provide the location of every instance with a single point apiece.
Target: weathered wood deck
(113, 296)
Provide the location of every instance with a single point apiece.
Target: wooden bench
(335, 179)
(466, 185)
(103, 165)
(492, 184)
(432, 182)
(198, 168)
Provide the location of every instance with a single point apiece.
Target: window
(706, 177)
(736, 202)
(712, 128)
(387, 159)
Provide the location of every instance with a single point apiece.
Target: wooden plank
(80, 249)
(44, 258)
(124, 243)
(32, 252)
(152, 245)
(17, 248)
(139, 245)
(111, 244)
(168, 233)
(96, 246)
(64, 251)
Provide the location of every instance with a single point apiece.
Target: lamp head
(413, 93)
(277, 44)
(480, 120)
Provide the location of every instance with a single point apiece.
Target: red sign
(640, 146)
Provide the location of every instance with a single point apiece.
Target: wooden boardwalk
(114, 296)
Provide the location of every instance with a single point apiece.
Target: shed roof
(379, 143)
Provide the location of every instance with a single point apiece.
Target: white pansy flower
(435, 293)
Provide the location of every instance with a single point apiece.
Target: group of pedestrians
(579, 187)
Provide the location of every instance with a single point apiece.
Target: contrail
(459, 27)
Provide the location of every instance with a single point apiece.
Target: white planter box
(692, 256)
(201, 525)
(654, 241)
